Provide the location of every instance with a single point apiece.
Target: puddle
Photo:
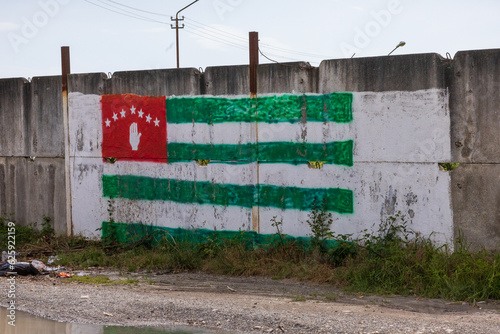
(30, 324)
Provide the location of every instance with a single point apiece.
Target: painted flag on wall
(216, 130)
(134, 128)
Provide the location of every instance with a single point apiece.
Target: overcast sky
(118, 35)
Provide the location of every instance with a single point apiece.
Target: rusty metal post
(254, 61)
(65, 64)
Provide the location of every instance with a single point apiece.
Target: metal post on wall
(65, 65)
(254, 61)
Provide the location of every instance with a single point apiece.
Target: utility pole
(177, 27)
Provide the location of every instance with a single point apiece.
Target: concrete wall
(393, 170)
(475, 104)
(32, 151)
(410, 113)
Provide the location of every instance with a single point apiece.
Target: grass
(299, 299)
(100, 280)
(392, 261)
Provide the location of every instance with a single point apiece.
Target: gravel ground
(244, 305)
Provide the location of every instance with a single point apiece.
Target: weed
(331, 296)
(278, 224)
(319, 221)
(47, 231)
(299, 299)
(212, 245)
(448, 166)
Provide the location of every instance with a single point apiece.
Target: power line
(220, 38)
(135, 16)
(287, 65)
(138, 9)
(197, 23)
(215, 39)
(229, 38)
(201, 25)
(275, 55)
(143, 18)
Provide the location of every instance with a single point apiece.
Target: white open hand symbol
(135, 137)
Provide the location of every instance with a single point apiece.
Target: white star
(157, 122)
(132, 110)
(140, 113)
(108, 122)
(148, 118)
(123, 112)
(115, 117)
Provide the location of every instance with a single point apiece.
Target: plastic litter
(18, 268)
(5, 255)
(65, 275)
(39, 265)
(54, 268)
(52, 259)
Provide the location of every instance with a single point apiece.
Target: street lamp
(401, 44)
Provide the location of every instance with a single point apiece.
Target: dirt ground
(243, 305)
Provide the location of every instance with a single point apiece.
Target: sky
(121, 35)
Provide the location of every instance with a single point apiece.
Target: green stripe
(339, 152)
(334, 107)
(135, 232)
(204, 192)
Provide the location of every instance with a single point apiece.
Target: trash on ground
(85, 297)
(52, 259)
(54, 268)
(81, 274)
(22, 268)
(6, 256)
(39, 265)
(65, 275)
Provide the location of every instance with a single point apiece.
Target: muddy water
(26, 323)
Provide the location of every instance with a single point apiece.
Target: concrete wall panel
(88, 83)
(30, 190)
(379, 74)
(476, 204)
(185, 81)
(45, 123)
(297, 77)
(475, 105)
(13, 108)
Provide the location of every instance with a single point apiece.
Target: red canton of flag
(134, 128)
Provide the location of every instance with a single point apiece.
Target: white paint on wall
(380, 191)
(398, 139)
